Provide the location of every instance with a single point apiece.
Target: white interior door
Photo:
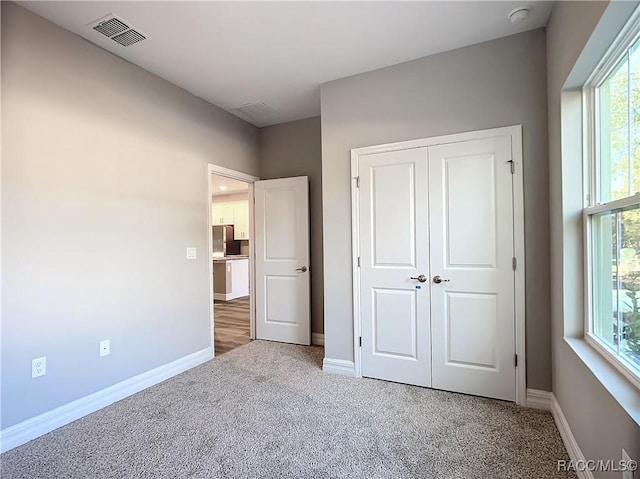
(393, 249)
(445, 212)
(471, 219)
(282, 260)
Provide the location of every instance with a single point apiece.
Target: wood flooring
(231, 322)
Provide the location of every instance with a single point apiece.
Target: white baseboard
(317, 339)
(538, 399)
(339, 366)
(573, 449)
(34, 427)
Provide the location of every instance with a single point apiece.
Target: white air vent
(128, 38)
(111, 27)
(117, 30)
(257, 113)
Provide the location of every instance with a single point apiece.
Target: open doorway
(231, 261)
(259, 249)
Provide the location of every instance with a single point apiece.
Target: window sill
(622, 390)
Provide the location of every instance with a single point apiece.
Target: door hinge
(360, 341)
(358, 261)
(357, 178)
(515, 360)
(513, 166)
(514, 263)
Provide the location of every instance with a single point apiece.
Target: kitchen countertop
(224, 259)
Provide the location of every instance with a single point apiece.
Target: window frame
(591, 185)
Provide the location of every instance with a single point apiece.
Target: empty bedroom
(373, 239)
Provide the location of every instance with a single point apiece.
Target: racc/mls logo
(597, 466)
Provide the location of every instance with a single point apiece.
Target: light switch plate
(191, 253)
(105, 348)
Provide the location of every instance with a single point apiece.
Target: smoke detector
(519, 15)
(118, 30)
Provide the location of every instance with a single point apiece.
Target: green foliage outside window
(617, 233)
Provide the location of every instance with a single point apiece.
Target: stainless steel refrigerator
(223, 242)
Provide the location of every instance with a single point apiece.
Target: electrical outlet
(191, 253)
(627, 473)
(38, 367)
(105, 348)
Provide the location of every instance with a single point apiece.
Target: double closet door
(436, 247)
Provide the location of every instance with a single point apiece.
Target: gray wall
(493, 84)
(104, 186)
(294, 149)
(600, 425)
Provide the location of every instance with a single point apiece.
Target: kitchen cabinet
(230, 278)
(234, 213)
(222, 214)
(241, 220)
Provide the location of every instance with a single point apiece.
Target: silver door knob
(422, 278)
(437, 279)
(303, 269)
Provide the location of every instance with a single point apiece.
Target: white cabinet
(241, 220)
(222, 214)
(240, 278)
(234, 213)
(230, 278)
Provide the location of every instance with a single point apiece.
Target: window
(612, 212)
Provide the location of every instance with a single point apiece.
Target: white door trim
(236, 175)
(515, 132)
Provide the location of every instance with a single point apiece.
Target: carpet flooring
(267, 410)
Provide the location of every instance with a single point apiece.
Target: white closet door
(393, 214)
(445, 212)
(472, 309)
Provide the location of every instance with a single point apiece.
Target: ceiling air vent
(117, 30)
(111, 27)
(257, 113)
(128, 38)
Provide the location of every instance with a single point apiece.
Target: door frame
(515, 132)
(250, 179)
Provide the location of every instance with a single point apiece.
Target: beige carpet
(267, 410)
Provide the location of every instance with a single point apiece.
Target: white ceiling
(234, 53)
(221, 185)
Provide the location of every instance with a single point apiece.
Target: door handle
(303, 269)
(437, 279)
(422, 278)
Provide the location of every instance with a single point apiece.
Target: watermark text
(599, 465)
